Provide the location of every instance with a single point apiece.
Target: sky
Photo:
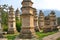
(38, 4)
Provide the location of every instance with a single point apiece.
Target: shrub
(18, 25)
(5, 27)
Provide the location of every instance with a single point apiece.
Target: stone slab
(3, 39)
(27, 39)
(52, 37)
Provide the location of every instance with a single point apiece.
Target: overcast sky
(38, 4)
(47, 4)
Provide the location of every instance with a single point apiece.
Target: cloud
(47, 4)
(39, 4)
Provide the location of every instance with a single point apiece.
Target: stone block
(27, 39)
(3, 39)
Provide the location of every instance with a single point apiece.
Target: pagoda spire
(17, 14)
(41, 19)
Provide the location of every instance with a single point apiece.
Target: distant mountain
(47, 11)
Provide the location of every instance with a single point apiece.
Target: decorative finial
(52, 12)
(11, 7)
(17, 10)
(40, 10)
(41, 13)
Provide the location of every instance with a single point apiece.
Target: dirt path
(52, 37)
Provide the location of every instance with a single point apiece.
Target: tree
(58, 20)
(4, 17)
(18, 24)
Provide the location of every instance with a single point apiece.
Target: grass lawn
(58, 39)
(11, 36)
(40, 35)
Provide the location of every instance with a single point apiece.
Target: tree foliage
(58, 20)
(4, 16)
(4, 20)
(18, 24)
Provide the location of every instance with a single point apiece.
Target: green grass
(11, 36)
(39, 34)
(58, 38)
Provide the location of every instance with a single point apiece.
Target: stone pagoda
(36, 20)
(50, 22)
(11, 21)
(53, 20)
(41, 19)
(27, 29)
(1, 30)
(47, 27)
(17, 14)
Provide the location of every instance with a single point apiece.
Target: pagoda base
(47, 30)
(27, 39)
(27, 36)
(12, 31)
(37, 29)
(27, 33)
